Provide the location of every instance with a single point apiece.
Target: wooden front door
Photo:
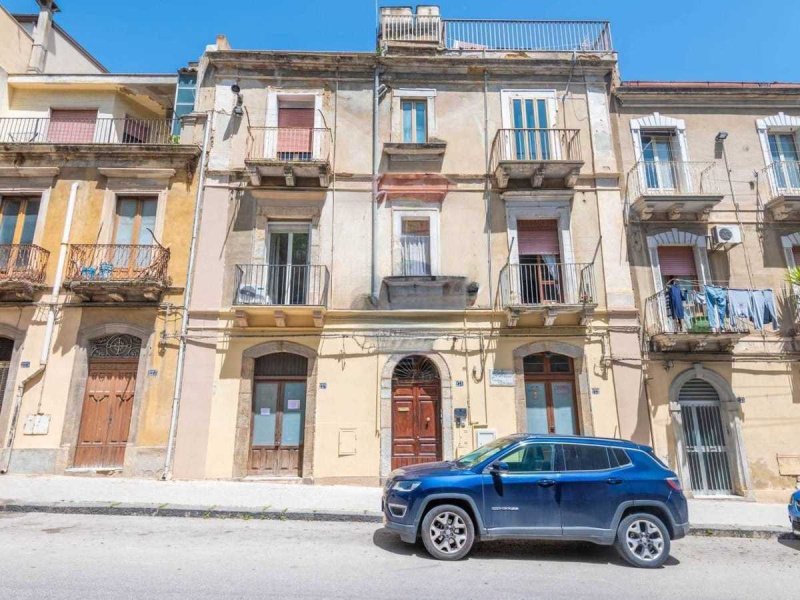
(106, 414)
(416, 421)
(277, 426)
(550, 401)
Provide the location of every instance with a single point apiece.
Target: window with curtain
(658, 156)
(539, 257)
(415, 121)
(415, 246)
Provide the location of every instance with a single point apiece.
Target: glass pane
(278, 248)
(299, 248)
(563, 408)
(560, 364)
(8, 225)
(421, 122)
(29, 224)
(533, 363)
(265, 408)
(148, 222)
(519, 136)
(530, 123)
(536, 407)
(585, 458)
(544, 144)
(407, 107)
(126, 217)
(293, 413)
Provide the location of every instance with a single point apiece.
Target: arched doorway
(706, 441)
(108, 401)
(550, 399)
(278, 414)
(416, 412)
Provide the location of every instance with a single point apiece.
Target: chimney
(41, 34)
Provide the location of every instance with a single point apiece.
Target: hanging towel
(717, 303)
(675, 298)
(740, 305)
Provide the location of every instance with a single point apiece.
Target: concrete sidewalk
(261, 499)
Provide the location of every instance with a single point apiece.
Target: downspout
(376, 157)
(187, 297)
(487, 183)
(49, 328)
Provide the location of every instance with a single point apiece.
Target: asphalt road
(78, 556)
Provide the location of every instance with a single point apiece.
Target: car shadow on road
(790, 541)
(544, 550)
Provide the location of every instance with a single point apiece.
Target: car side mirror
(499, 467)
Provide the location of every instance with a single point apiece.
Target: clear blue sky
(657, 39)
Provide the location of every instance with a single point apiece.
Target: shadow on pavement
(790, 541)
(582, 552)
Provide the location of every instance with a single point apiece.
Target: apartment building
(404, 254)
(712, 183)
(97, 194)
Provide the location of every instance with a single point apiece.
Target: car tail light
(674, 483)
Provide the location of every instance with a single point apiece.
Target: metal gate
(706, 440)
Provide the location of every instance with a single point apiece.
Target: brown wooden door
(276, 427)
(106, 414)
(416, 426)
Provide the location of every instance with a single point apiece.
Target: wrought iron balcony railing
(289, 144)
(23, 263)
(525, 145)
(508, 35)
(34, 130)
(117, 263)
(281, 285)
(543, 284)
(673, 178)
(782, 178)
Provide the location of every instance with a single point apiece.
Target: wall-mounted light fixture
(721, 136)
(238, 109)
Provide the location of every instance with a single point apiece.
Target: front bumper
(408, 533)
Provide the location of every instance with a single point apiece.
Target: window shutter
(796, 254)
(538, 237)
(72, 126)
(295, 134)
(677, 261)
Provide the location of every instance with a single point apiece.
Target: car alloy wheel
(448, 532)
(645, 540)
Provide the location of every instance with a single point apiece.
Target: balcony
(400, 28)
(426, 292)
(285, 156)
(117, 273)
(674, 189)
(536, 158)
(694, 332)
(549, 293)
(280, 295)
(22, 271)
(14, 130)
(781, 188)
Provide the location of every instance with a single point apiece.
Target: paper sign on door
(293, 405)
(264, 412)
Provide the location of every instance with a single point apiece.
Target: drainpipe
(376, 157)
(187, 296)
(49, 328)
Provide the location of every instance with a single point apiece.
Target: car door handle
(613, 480)
(546, 482)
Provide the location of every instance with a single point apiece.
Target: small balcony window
(415, 245)
(415, 121)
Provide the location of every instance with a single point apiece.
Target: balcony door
(288, 271)
(785, 160)
(540, 262)
(295, 130)
(134, 235)
(17, 226)
(659, 160)
(69, 126)
(528, 114)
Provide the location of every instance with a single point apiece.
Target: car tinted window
(531, 458)
(585, 458)
(618, 457)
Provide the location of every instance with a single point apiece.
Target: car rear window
(585, 458)
(618, 457)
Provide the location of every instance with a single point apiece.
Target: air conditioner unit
(726, 235)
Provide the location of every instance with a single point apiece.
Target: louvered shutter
(296, 126)
(677, 262)
(72, 126)
(538, 238)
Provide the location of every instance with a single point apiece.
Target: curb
(268, 514)
(195, 512)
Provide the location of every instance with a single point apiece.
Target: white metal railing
(783, 178)
(35, 130)
(290, 144)
(671, 178)
(498, 35)
(281, 285)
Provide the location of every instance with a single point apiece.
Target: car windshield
(491, 449)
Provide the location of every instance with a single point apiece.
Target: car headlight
(405, 486)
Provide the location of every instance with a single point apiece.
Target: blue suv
(794, 513)
(541, 487)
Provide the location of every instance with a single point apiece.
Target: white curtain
(416, 252)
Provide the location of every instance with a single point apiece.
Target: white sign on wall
(501, 377)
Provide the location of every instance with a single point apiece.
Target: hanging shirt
(740, 305)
